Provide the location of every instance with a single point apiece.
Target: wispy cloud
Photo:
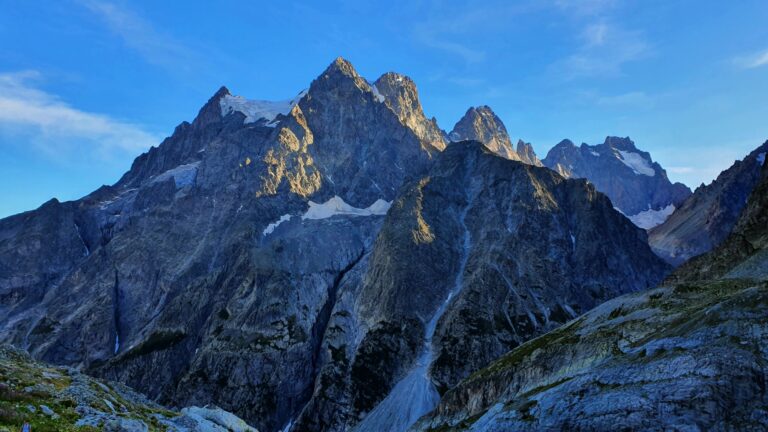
(584, 7)
(604, 50)
(458, 28)
(633, 99)
(141, 35)
(58, 128)
(753, 60)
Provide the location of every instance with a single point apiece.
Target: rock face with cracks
(631, 179)
(294, 268)
(689, 355)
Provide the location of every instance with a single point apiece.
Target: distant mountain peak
(482, 124)
(637, 185)
(342, 65)
(527, 154)
(400, 94)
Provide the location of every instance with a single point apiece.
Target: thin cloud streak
(752, 61)
(141, 36)
(603, 53)
(58, 127)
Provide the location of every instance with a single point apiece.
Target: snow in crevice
(415, 394)
(117, 343)
(86, 250)
(379, 97)
(255, 110)
(573, 242)
(333, 207)
(336, 206)
(594, 153)
(271, 227)
(650, 218)
(637, 163)
(183, 175)
(761, 158)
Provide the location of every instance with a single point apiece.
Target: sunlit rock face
(706, 218)
(292, 261)
(690, 354)
(482, 124)
(631, 179)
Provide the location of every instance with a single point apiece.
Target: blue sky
(87, 85)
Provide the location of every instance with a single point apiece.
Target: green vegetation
(48, 398)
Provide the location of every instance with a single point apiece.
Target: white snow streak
(255, 110)
(271, 227)
(637, 163)
(337, 206)
(761, 158)
(377, 94)
(651, 218)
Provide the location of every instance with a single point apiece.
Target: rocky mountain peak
(211, 111)
(482, 124)
(637, 185)
(342, 66)
(527, 154)
(400, 94)
(620, 143)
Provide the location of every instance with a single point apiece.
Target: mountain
(51, 398)
(295, 261)
(219, 254)
(526, 154)
(706, 217)
(475, 257)
(690, 354)
(400, 94)
(482, 124)
(636, 185)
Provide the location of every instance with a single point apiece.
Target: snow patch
(573, 241)
(337, 206)
(377, 94)
(117, 343)
(651, 218)
(271, 227)
(594, 153)
(761, 158)
(255, 110)
(637, 163)
(183, 175)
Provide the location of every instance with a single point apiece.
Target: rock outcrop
(636, 185)
(690, 355)
(706, 218)
(62, 399)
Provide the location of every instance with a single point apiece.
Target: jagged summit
(343, 66)
(482, 124)
(637, 185)
(527, 154)
(400, 94)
